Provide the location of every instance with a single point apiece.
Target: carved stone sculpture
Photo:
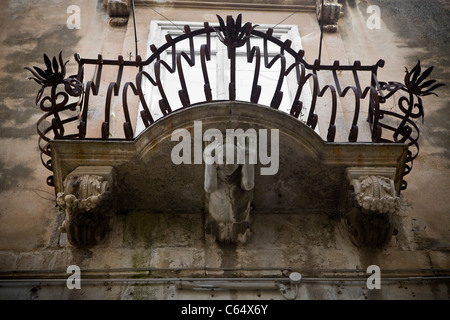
(88, 205)
(229, 190)
(330, 13)
(118, 11)
(376, 193)
(374, 202)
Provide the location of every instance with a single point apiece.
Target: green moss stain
(138, 229)
(141, 258)
(297, 230)
(146, 230)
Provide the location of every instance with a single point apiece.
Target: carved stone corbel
(118, 11)
(88, 204)
(229, 196)
(374, 201)
(332, 11)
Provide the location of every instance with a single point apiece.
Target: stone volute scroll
(374, 202)
(88, 204)
(228, 186)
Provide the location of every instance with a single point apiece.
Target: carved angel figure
(229, 186)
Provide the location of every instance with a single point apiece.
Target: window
(219, 70)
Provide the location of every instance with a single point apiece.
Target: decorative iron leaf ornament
(415, 85)
(52, 104)
(53, 76)
(411, 108)
(414, 81)
(233, 34)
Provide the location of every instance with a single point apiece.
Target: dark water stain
(418, 22)
(433, 244)
(424, 28)
(58, 38)
(13, 120)
(422, 25)
(14, 83)
(18, 132)
(10, 177)
(17, 88)
(436, 129)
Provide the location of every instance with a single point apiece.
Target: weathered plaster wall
(411, 31)
(30, 241)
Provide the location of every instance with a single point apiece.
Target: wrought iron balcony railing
(72, 103)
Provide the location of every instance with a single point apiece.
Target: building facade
(324, 201)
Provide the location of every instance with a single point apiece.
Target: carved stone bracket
(374, 201)
(332, 11)
(229, 195)
(118, 11)
(88, 203)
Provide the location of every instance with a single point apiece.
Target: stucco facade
(160, 253)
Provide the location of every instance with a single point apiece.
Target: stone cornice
(272, 5)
